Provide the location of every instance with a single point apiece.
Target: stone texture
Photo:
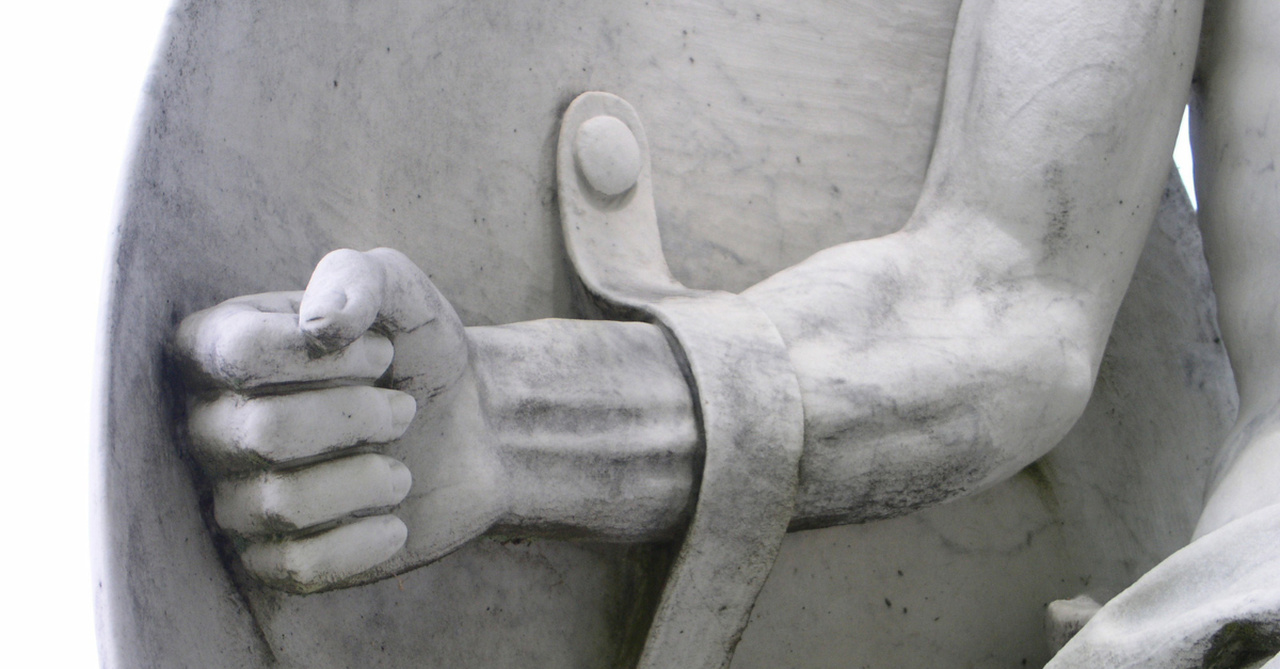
(274, 134)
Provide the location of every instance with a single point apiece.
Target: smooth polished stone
(275, 133)
(607, 154)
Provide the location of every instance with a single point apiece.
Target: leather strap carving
(748, 395)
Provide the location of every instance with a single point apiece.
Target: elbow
(1043, 396)
(930, 433)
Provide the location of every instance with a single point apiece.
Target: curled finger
(232, 432)
(328, 558)
(291, 501)
(250, 342)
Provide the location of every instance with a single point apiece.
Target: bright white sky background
(71, 81)
(69, 93)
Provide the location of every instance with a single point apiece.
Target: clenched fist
(340, 428)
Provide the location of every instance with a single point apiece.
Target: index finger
(254, 341)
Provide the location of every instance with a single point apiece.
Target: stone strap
(747, 394)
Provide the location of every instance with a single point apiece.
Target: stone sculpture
(358, 430)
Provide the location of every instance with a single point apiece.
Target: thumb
(342, 299)
(350, 292)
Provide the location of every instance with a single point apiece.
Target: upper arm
(1236, 140)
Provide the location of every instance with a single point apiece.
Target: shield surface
(275, 132)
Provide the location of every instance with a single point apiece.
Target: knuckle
(282, 564)
(300, 566)
(273, 506)
(324, 560)
(262, 428)
(231, 433)
(223, 343)
(215, 432)
(251, 506)
(285, 502)
(240, 354)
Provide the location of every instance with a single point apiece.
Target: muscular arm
(944, 358)
(931, 362)
(1237, 141)
(1185, 610)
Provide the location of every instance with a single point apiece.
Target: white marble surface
(1235, 102)
(276, 133)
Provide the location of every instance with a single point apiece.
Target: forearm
(595, 426)
(932, 362)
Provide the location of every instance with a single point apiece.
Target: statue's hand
(322, 479)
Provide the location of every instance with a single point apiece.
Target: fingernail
(400, 478)
(378, 351)
(403, 407)
(396, 532)
(318, 307)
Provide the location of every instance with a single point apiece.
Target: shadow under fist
(322, 479)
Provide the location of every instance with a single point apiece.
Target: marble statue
(340, 438)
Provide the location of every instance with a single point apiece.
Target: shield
(275, 132)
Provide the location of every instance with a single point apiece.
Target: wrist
(594, 426)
